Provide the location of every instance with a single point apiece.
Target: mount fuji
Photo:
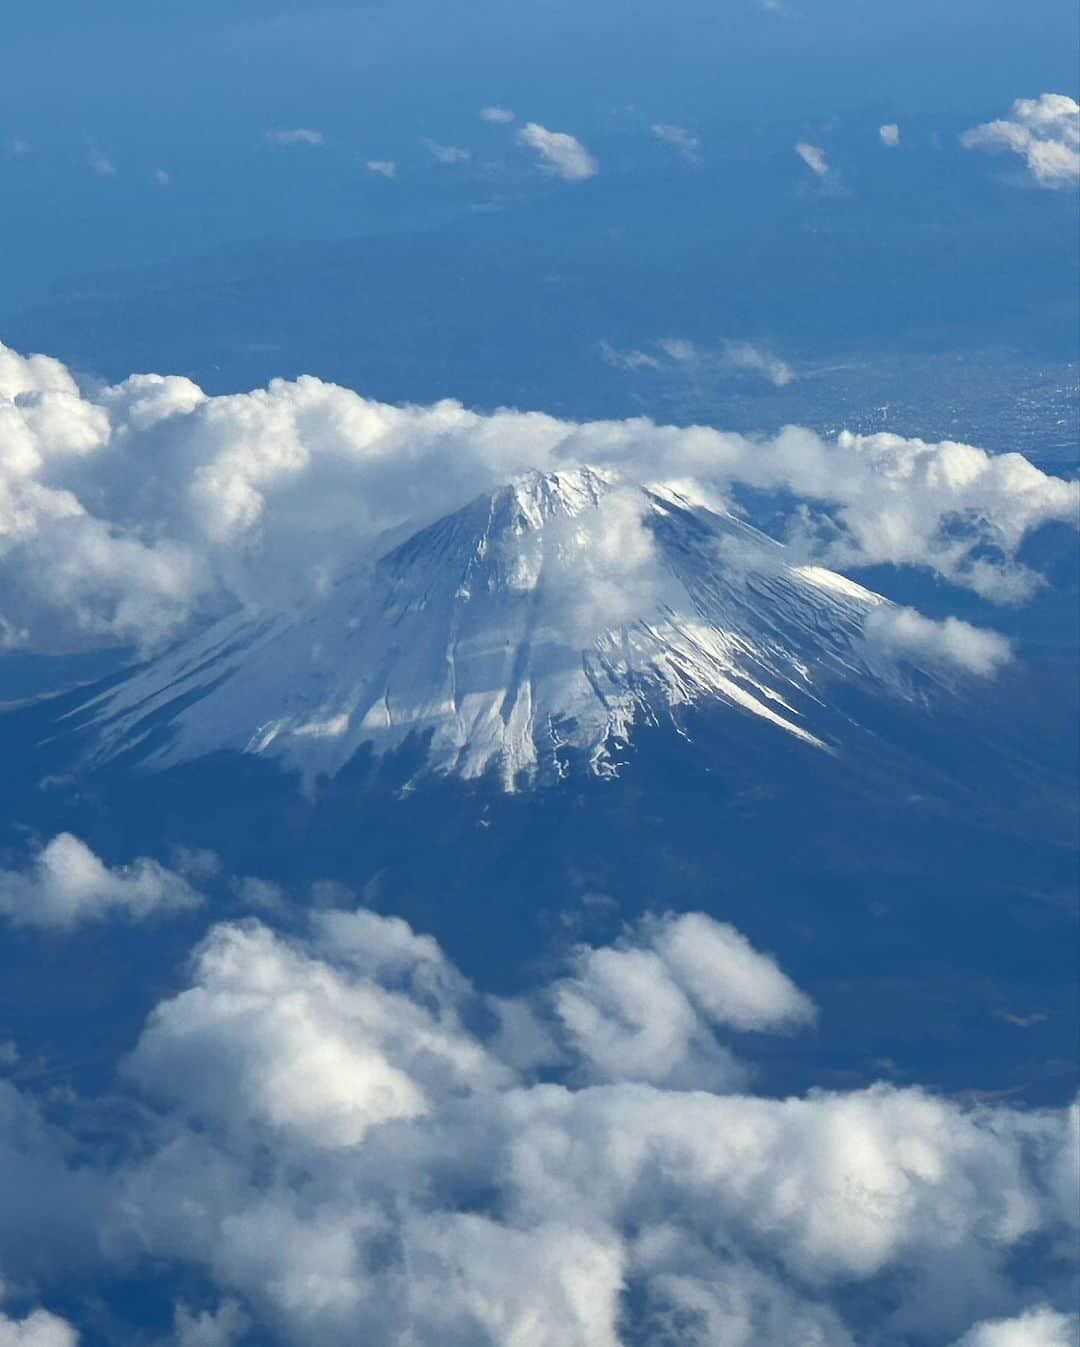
(494, 638)
(521, 724)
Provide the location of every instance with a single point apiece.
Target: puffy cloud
(890, 135)
(561, 155)
(37, 1329)
(497, 115)
(1037, 1328)
(272, 1036)
(732, 982)
(339, 1208)
(360, 1165)
(908, 502)
(813, 156)
(1044, 132)
(905, 633)
(570, 1297)
(298, 135)
(129, 512)
(685, 142)
(647, 1008)
(382, 168)
(702, 1301)
(66, 885)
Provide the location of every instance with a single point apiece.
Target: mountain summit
(534, 626)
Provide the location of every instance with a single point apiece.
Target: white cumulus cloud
(274, 1036)
(37, 1329)
(647, 1009)
(890, 134)
(130, 513)
(1043, 131)
(333, 1139)
(66, 885)
(1040, 1327)
(663, 1208)
(561, 155)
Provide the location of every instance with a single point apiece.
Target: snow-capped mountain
(496, 634)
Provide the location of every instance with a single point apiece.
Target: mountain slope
(495, 634)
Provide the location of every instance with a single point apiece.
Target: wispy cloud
(497, 115)
(561, 155)
(298, 135)
(813, 156)
(628, 360)
(448, 154)
(685, 142)
(384, 168)
(100, 162)
(890, 135)
(732, 357)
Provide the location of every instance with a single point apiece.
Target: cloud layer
(350, 1143)
(130, 512)
(1044, 132)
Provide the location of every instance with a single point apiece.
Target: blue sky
(119, 85)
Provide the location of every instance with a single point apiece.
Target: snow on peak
(538, 622)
